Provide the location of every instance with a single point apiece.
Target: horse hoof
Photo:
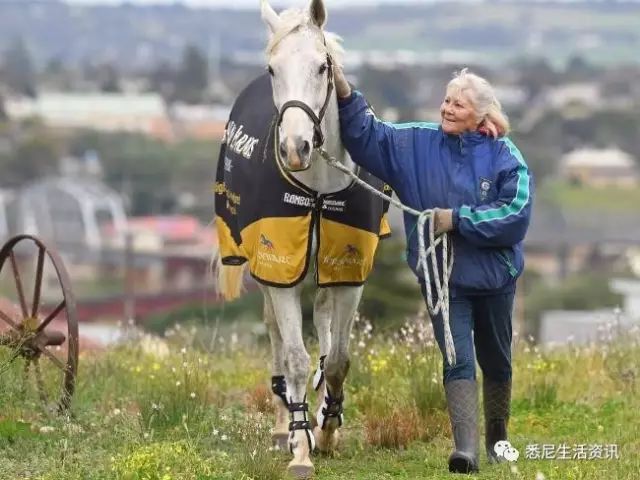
(280, 441)
(326, 442)
(301, 472)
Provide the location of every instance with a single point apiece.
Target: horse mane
(294, 19)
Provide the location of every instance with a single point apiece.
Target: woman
(481, 190)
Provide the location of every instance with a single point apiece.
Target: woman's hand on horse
(343, 89)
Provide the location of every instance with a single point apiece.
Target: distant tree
(104, 76)
(536, 75)
(57, 76)
(35, 156)
(109, 78)
(193, 77)
(18, 69)
(162, 79)
(3, 111)
(578, 69)
(392, 292)
(387, 88)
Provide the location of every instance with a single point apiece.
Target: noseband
(318, 136)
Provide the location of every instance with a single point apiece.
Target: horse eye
(270, 70)
(323, 68)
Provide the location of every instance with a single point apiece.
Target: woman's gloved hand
(443, 220)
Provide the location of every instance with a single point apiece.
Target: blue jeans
(483, 321)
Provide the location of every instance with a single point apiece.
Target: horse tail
(230, 279)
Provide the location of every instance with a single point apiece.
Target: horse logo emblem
(352, 250)
(266, 243)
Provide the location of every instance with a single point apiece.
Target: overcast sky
(242, 3)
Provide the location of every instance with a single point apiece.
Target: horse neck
(322, 177)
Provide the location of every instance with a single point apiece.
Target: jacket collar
(466, 139)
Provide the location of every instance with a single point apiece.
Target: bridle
(318, 136)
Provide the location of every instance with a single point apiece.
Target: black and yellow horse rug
(266, 217)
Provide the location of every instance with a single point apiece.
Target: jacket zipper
(513, 271)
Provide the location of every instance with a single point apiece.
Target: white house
(141, 113)
(600, 168)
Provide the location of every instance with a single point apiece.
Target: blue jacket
(484, 180)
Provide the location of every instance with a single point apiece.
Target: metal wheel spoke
(8, 320)
(38, 284)
(51, 316)
(16, 276)
(53, 358)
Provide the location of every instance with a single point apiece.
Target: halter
(318, 136)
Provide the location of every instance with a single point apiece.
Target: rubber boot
(462, 402)
(497, 402)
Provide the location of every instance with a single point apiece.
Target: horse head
(300, 61)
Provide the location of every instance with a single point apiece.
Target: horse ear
(318, 12)
(269, 15)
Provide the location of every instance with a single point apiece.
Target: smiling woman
(479, 186)
(471, 104)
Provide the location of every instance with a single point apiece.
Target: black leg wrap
(333, 409)
(279, 388)
(300, 424)
(318, 377)
(298, 407)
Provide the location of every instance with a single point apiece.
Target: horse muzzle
(295, 154)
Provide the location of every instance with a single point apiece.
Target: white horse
(300, 57)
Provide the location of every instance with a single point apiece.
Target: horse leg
(280, 435)
(329, 416)
(322, 308)
(286, 307)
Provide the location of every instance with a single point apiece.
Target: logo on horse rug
(266, 217)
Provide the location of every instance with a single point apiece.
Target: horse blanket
(266, 217)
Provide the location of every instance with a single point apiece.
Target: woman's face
(458, 114)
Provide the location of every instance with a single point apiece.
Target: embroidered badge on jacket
(485, 187)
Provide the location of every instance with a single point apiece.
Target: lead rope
(424, 253)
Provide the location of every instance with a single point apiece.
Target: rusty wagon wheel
(40, 302)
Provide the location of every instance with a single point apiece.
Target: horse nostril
(283, 150)
(304, 149)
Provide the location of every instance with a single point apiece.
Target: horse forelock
(294, 20)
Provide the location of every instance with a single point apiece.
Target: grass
(591, 199)
(191, 414)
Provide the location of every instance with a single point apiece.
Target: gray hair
(482, 95)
